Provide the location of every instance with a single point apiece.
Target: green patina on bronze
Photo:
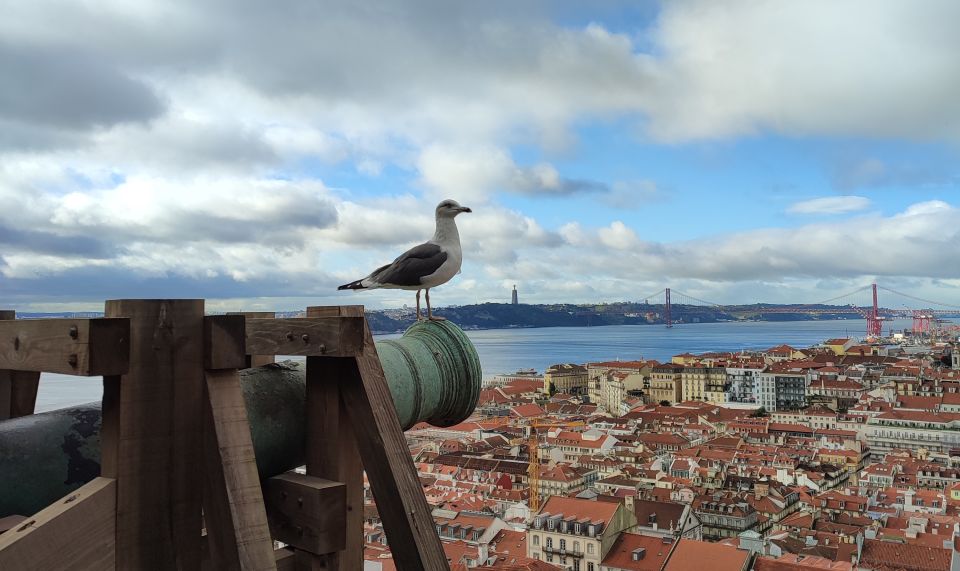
(433, 372)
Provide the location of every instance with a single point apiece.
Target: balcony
(563, 552)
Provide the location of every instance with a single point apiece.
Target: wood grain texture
(18, 389)
(406, 516)
(307, 512)
(224, 341)
(77, 532)
(322, 336)
(6, 382)
(6, 393)
(85, 347)
(23, 392)
(236, 521)
(155, 449)
(286, 559)
(257, 360)
(332, 448)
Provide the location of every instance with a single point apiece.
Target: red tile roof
(654, 554)
(580, 509)
(691, 555)
(890, 556)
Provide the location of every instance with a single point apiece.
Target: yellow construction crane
(533, 451)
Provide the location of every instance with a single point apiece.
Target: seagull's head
(450, 208)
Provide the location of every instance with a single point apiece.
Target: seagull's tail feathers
(369, 282)
(365, 283)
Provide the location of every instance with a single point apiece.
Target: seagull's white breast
(446, 271)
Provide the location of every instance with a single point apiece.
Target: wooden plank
(23, 392)
(305, 336)
(6, 376)
(11, 521)
(257, 360)
(6, 393)
(76, 532)
(154, 448)
(18, 389)
(85, 347)
(286, 559)
(335, 311)
(224, 342)
(236, 519)
(407, 518)
(307, 512)
(332, 448)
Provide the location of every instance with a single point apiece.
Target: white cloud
(830, 205)
(476, 173)
(186, 160)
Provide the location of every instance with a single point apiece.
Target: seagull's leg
(418, 305)
(430, 314)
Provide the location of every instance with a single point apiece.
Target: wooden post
(257, 360)
(407, 518)
(332, 447)
(18, 389)
(151, 435)
(236, 521)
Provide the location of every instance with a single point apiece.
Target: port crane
(533, 451)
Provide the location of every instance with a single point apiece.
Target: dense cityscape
(844, 455)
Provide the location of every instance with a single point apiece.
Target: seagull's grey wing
(412, 265)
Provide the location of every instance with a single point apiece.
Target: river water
(507, 350)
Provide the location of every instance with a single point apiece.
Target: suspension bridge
(864, 301)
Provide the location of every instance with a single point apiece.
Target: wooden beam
(151, 436)
(6, 380)
(224, 342)
(85, 347)
(286, 559)
(18, 389)
(332, 448)
(77, 532)
(307, 512)
(322, 336)
(236, 521)
(406, 516)
(11, 521)
(23, 392)
(257, 360)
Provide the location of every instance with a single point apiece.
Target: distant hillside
(504, 315)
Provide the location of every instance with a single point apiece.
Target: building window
(590, 548)
(549, 542)
(536, 540)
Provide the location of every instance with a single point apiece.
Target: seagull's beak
(464, 209)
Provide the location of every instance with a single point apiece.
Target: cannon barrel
(433, 372)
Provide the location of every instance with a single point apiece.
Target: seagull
(426, 266)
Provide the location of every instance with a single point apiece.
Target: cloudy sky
(258, 154)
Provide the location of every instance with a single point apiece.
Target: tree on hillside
(664, 403)
(760, 412)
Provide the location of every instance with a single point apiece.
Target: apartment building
(704, 383)
(575, 533)
(666, 384)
